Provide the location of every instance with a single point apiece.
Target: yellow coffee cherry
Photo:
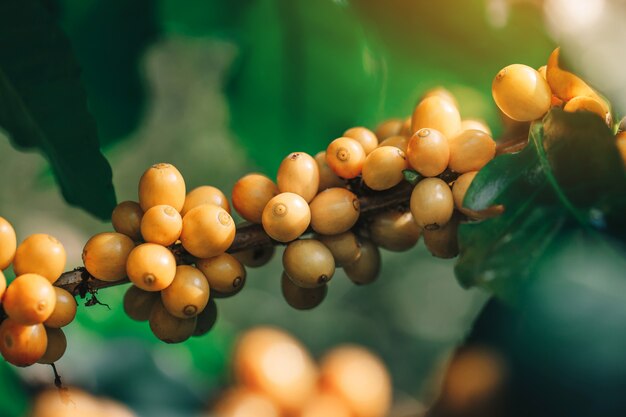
(205, 194)
(345, 247)
(224, 273)
(208, 230)
(40, 254)
(359, 378)
(55, 347)
(443, 242)
(334, 211)
(286, 217)
(302, 298)
(251, 194)
(621, 144)
(459, 189)
(364, 136)
(345, 156)
(394, 230)
(126, 219)
(437, 113)
(188, 294)
(105, 255)
(383, 168)
(443, 93)
(241, 401)
(431, 203)
(328, 178)
(161, 225)
(471, 150)
(475, 124)
(22, 345)
(168, 328)
(162, 184)
(206, 319)
(298, 173)
(521, 93)
(151, 267)
(29, 299)
(428, 152)
(367, 268)
(8, 243)
(309, 263)
(138, 303)
(389, 128)
(589, 104)
(564, 84)
(256, 257)
(400, 142)
(64, 309)
(406, 127)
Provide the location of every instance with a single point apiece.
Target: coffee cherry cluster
(33, 310)
(276, 376)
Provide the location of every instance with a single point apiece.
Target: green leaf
(14, 397)
(411, 176)
(43, 104)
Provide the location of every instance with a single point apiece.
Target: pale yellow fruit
(40, 254)
(364, 136)
(394, 230)
(345, 156)
(298, 173)
(437, 113)
(521, 93)
(161, 225)
(224, 273)
(389, 128)
(251, 194)
(383, 168)
(126, 219)
(105, 255)
(188, 294)
(428, 152)
(151, 267)
(366, 269)
(205, 194)
(208, 230)
(432, 204)
(286, 217)
(470, 151)
(8, 243)
(162, 184)
(328, 178)
(334, 211)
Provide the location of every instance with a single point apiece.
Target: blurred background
(223, 88)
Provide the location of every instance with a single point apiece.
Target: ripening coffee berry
(441, 93)
(383, 168)
(471, 150)
(565, 85)
(205, 194)
(22, 345)
(151, 267)
(255, 257)
(126, 219)
(224, 273)
(334, 211)
(345, 247)
(29, 299)
(299, 174)
(138, 303)
(40, 254)
(364, 136)
(8, 243)
(328, 178)
(475, 124)
(359, 378)
(309, 263)
(286, 217)
(162, 184)
(105, 255)
(389, 128)
(56, 346)
(257, 356)
(394, 230)
(161, 225)
(428, 152)
(208, 230)
(406, 127)
(345, 156)
(400, 142)
(443, 242)
(521, 93)
(589, 104)
(241, 401)
(168, 328)
(431, 203)
(206, 319)
(302, 298)
(251, 194)
(366, 269)
(437, 113)
(188, 294)
(64, 309)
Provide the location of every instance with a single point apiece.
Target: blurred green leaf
(43, 104)
(13, 396)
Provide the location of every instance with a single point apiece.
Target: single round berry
(64, 309)
(383, 168)
(389, 128)
(224, 273)
(428, 152)
(437, 113)
(443, 242)
(56, 346)
(394, 230)
(251, 194)
(364, 136)
(521, 93)
(255, 257)
(8, 243)
(29, 299)
(442, 93)
(345, 247)
(138, 303)
(334, 211)
(400, 142)
(40, 254)
(161, 225)
(208, 230)
(328, 178)
(151, 267)
(22, 345)
(345, 156)
(205, 194)
(366, 269)
(188, 294)
(309, 263)
(298, 173)
(105, 255)
(206, 319)
(286, 217)
(431, 203)
(126, 219)
(471, 150)
(302, 298)
(475, 124)
(162, 184)
(169, 328)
